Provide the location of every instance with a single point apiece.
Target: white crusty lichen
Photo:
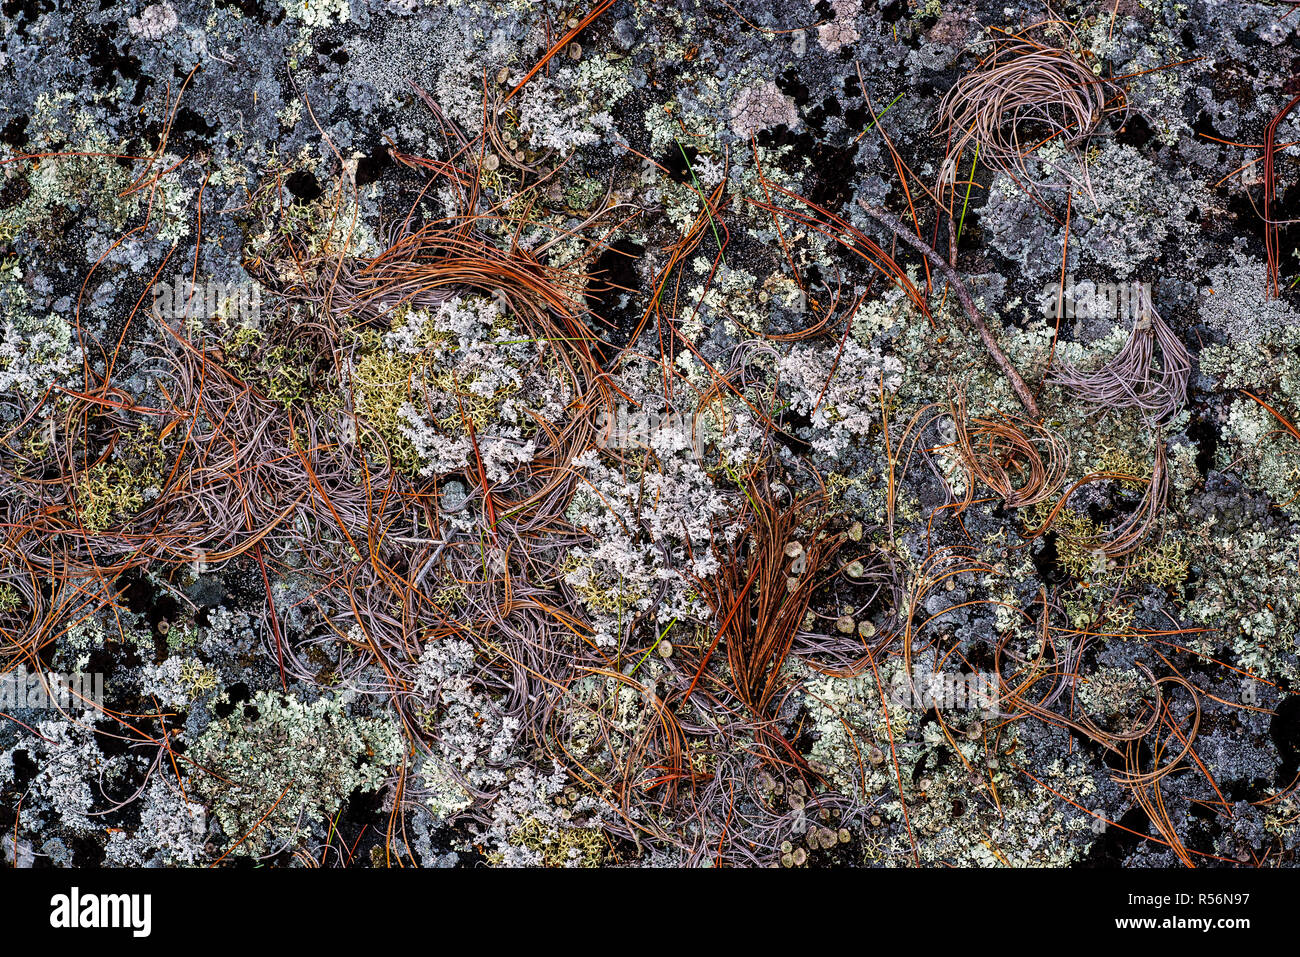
(154, 22)
(838, 389)
(172, 831)
(553, 120)
(641, 529)
(840, 30)
(472, 731)
(468, 367)
(762, 107)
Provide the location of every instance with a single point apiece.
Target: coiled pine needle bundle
(1134, 379)
(1024, 95)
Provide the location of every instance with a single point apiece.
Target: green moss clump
(563, 846)
(1124, 463)
(286, 374)
(596, 591)
(1163, 564)
(381, 386)
(1079, 552)
(10, 600)
(111, 492)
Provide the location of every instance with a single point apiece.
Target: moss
(1078, 548)
(599, 594)
(1164, 564)
(196, 678)
(381, 386)
(562, 846)
(286, 374)
(182, 638)
(10, 600)
(105, 495)
(111, 492)
(1124, 462)
(294, 239)
(479, 408)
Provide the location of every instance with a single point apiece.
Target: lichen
(286, 765)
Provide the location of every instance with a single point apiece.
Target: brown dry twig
(1018, 385)
(1023, 95)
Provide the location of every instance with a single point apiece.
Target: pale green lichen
(288, 767)
(318, 13)
(1247, 596)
